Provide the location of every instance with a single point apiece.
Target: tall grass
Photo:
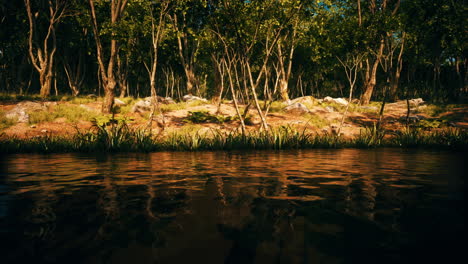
(114, 135)
(4, 121)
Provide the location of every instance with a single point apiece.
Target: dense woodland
(234, 49)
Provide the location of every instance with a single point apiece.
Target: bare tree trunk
(107, 75)
(42, 56)
(218, 79)
(186, 53)
(75, 76)
(371, 75)
(395, 77)
(233, 93)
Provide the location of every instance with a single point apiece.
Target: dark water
(318, 206)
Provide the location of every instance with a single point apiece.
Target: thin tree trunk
(107, 75)
(371, 75)
(42, 56)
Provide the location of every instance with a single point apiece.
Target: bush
(198, 117)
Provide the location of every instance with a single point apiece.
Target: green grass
(114, 135)
(5, 122)
(72, 113)
(198, 117)
(317, 121)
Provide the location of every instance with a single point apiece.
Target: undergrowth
(111, 134)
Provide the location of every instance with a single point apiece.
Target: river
(310, 206)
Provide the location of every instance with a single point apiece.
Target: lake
(309, 206)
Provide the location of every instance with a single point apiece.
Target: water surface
(314, 206)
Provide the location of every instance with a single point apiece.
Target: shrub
(205, 117)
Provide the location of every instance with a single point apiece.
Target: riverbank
(76, 125)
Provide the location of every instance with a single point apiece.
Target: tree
(42, 52)
(107, 74)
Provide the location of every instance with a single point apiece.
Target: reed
(114, 135)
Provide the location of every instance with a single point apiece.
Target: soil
(394, 118)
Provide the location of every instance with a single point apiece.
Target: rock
(340, 101)
(20, 111)
(33, 126)
(147, 104)
(297, 108)
(141, 106)
(90, 109)
(44, 131)
(310, 100)
(369, 108)
(416, 102)
(18, 114)
(191, 98)
(167, 100)
(119, 102)
(91, 96)
(163, 100)
(330, 109)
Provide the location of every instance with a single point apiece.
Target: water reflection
(322, 206)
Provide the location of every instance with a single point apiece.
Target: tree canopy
(263, 49)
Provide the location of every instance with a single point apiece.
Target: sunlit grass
(4, 121)
(72, 113)
(116, 136)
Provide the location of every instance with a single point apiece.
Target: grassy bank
(116, 136)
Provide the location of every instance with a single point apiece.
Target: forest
(243, 50)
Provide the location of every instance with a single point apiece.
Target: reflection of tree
(268, 222)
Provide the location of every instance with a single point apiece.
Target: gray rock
(191, 98)
(303, 100)
(141, 106)
(416, 102)
(340, 101)
(147, 104)
(20, 111)
(297, 108)
(330, 109)
(119, 102)
(167, 100)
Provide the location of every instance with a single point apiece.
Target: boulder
(340, 101)
(147, 104)
(297, 108)
(303, 100)
(20, 111)
(118, 102)
(416, 102)
(141, 106)
(163, 100)
(330, 109)
(191, 98)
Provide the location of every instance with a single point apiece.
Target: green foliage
(370, 137)
(205, 117)
(4, 121)
(112, 135)
(72, 113)
(316, 120)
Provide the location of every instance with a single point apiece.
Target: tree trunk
(46, 82)
(107, 75)
(109, 96)
(371, 75)
(218, 79)
(42, 56)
